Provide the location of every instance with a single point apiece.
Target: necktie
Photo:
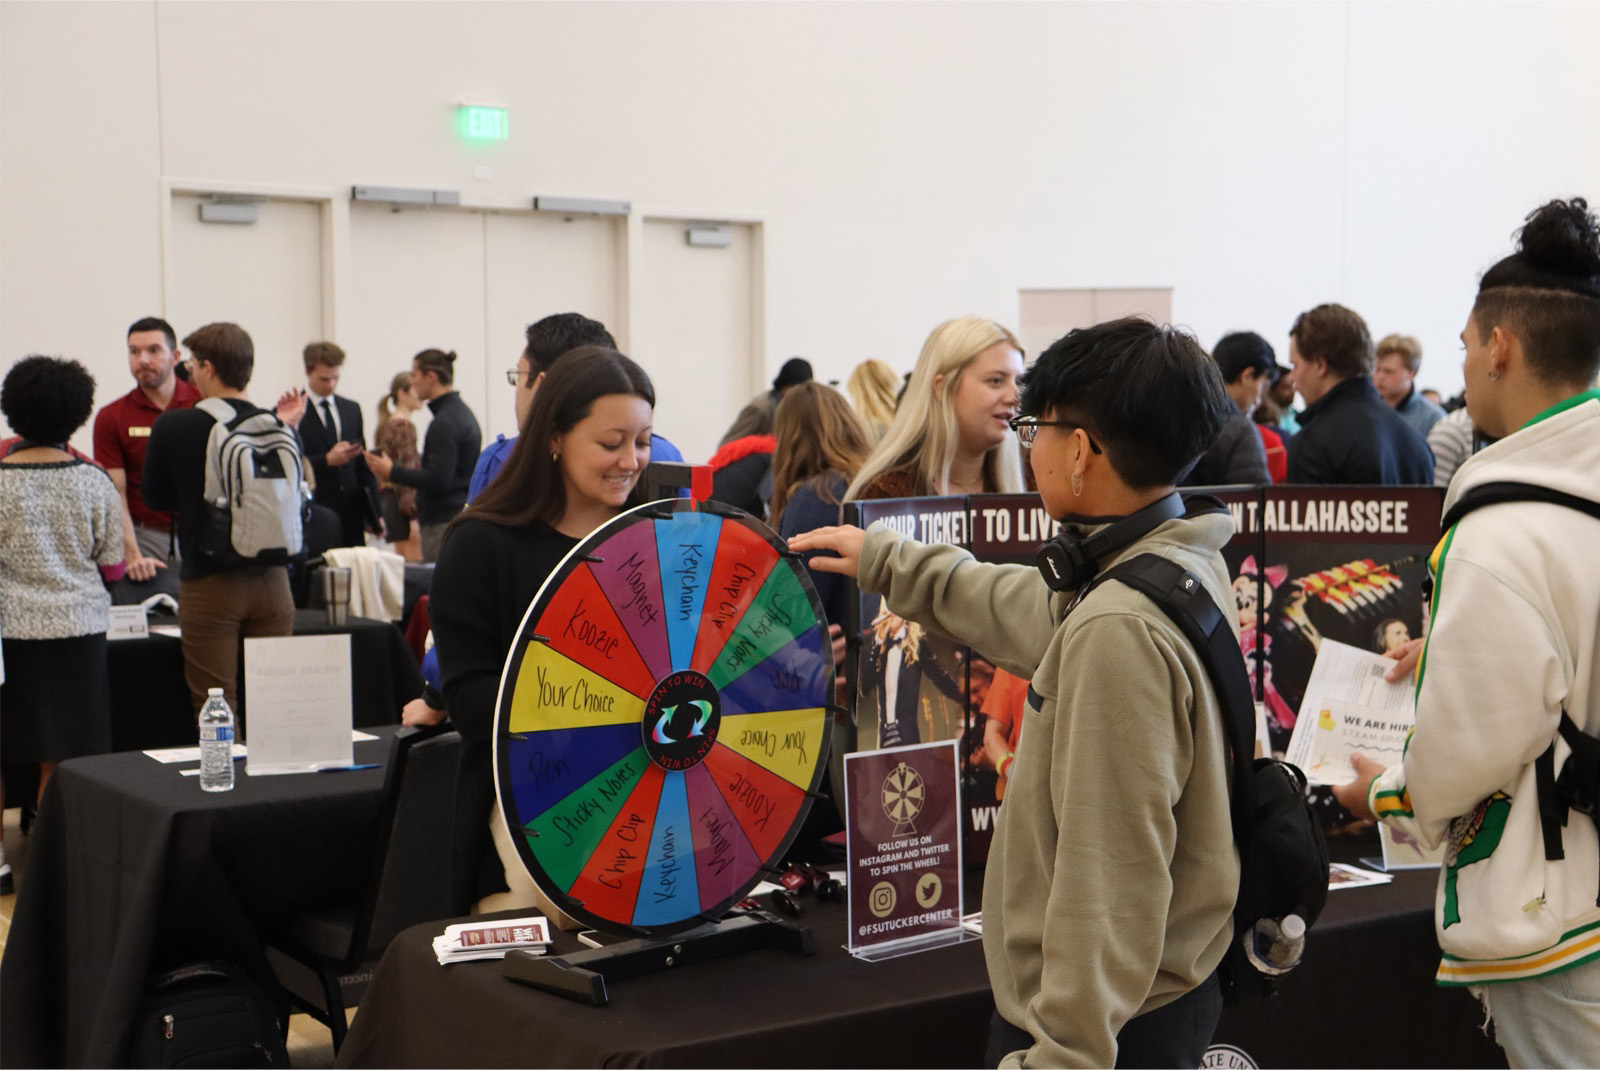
(327, 418)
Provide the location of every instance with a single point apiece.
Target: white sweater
(59, 520)
(1515, 639)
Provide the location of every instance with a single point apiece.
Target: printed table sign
(903, 822)
(127, 622)
(298, 690)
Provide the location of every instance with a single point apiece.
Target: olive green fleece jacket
(1112, 875)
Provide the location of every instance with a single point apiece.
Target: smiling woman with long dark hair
(575, 467)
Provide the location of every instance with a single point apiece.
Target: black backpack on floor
(207, 1014)
(1283, 857)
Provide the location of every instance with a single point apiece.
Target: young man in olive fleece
(1111, 881)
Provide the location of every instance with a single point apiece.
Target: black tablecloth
(1364, 997)
(133, 869)
(150, 704)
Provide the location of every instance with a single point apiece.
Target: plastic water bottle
(216, 743)
(1275, 947)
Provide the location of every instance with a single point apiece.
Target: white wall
(908, 162)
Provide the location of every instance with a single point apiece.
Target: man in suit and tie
(331, 437)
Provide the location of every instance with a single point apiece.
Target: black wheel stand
(582, 975)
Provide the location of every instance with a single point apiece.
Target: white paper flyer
(1349, 708)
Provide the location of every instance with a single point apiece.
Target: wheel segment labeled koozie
(663, 718)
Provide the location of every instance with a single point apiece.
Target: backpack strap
(1577, 785)
(1575, 788)
(218, 409)
(1501, 493)
(1184, 599)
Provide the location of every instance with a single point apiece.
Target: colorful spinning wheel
(663, 718)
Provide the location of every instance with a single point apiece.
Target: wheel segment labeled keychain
(663, 718)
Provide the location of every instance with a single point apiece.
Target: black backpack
(1283, 857)
(1576, 787)
(207, 1014)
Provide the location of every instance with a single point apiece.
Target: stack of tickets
(471, 941)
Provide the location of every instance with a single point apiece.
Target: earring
(554, 456)
(1493, 375)
(1077, 485)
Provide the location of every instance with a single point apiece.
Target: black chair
(128, 592)
(323, 956)
(322, 533)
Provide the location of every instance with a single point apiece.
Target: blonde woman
(872, 387)
(951, 433)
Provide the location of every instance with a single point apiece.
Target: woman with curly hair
(396, 439)
(60, 543)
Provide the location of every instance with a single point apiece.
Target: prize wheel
(663, 718)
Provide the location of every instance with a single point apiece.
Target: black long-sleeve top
(1351, 435)
(1237, 456)
(485, 577)
(448, 453)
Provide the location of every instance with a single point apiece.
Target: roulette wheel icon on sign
(903, 794)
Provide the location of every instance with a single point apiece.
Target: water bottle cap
(1293, 926)
(214, 692)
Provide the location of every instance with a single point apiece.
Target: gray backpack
(255, 491)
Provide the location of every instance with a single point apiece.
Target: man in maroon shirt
(121, 431)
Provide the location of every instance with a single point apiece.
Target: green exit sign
(478, 122)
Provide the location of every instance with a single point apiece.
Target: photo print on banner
(914, 687)
(1309, 563)
(1347, 563)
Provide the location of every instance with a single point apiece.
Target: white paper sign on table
(1350, 708)
(127, 622)
(298, 694)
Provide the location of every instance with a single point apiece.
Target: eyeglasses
(514, 375)
(1027, 427)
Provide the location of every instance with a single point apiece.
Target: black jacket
(1351, 435)
(348, 489)
(448, 454)
(1236, 457)
(485, 579)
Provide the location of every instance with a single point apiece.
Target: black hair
(153, 323)
(1547, 293)
(1147, 393)
(46, 399)
(529, 489)
(1241, 351)
(795, 370)
(554, 335)
(437, 361)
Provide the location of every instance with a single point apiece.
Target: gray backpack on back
(255, 491)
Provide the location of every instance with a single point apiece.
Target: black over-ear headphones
(1068, 560)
